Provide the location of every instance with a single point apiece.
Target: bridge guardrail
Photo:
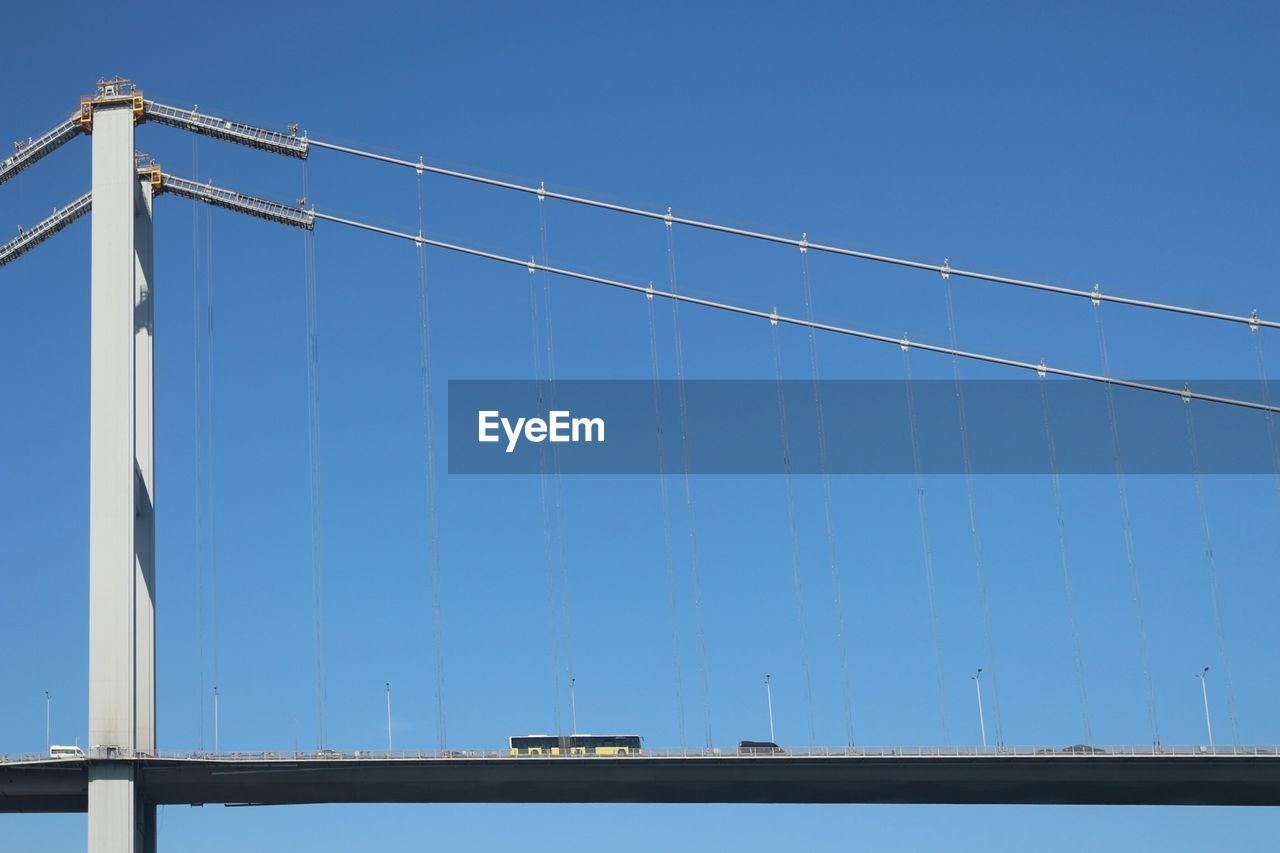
(956, 752)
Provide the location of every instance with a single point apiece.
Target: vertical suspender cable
(832, 557)
(926, 548)
(795, 538)
(979, 562)
(1266, 399)
(565, 610)
(694, 568)
(553, 630)
(313, 444)
(667, 550)
(1127, 524)
(199, 450)
(1211, 566)
(213, 493)
(428, 431)
(1056, 480)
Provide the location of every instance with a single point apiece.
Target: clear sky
(1131, 146)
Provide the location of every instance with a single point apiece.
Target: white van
(66, 752)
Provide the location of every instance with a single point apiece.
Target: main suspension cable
(542, 192)
(677, 297)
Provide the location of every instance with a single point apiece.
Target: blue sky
(1130, 146)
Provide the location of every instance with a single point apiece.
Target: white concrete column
(144, 534)
(121, 528)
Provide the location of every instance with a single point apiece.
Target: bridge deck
(60, 786)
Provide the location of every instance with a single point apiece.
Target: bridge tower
(121, 479)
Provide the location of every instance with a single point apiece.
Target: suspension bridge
(123, 774)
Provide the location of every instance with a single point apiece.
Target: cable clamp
(669, 219)
(945, 269)
(532, 265)
(648, 293)
(773, 318)
(542, 190)
(1096, 296)
(1186, 392)
(1042, 369)
(421, 167)
(1253, 320)
(804, 243)
(905, 343)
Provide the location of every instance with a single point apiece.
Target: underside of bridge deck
(1118, 780)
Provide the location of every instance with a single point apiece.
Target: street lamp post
(216, 751)
(982, 722)
(48, 710)
(768, 695)
(388, 718)
(573, 706)
(1204, 692)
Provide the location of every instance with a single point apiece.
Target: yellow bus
(575, 745)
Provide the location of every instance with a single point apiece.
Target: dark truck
(758, 747)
